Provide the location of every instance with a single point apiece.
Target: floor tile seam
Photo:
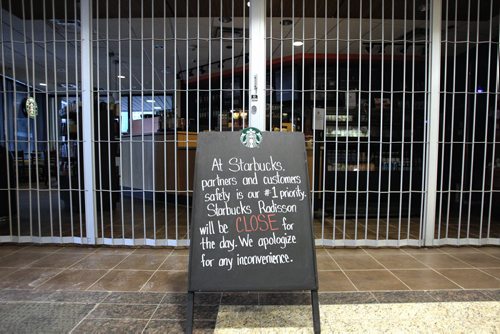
(64, 268)
(132, 304)
(13, 252)
(485, 272)
(409, 292)
(118, 319)
(107, 272)
(70, 268)
(483, 252)
(394, 275)
(416, 259)
(343, 272)
(474, 267)
(27, 266)
(83, 258)
(90, 311)
(43, 302)
(157, 269)
(437, 272)
(76, 252)
(156, 309)
(46, 280)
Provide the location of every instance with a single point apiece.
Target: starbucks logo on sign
(31, 107)
(251, 137)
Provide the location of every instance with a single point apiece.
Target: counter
(149, 161)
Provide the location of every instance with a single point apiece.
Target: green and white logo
(31, 107)
(251, 137)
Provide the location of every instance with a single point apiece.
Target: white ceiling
(149, 52)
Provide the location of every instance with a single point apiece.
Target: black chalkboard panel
(251, 221)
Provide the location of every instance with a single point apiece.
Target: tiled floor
(64, 288)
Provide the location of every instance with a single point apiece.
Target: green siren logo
(31, 107)
(251, 137)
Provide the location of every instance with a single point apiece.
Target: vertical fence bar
(325, 94)
(391, 117)
(337, 70)
(495, 129)
(439, 212)
(6, 132)
(358, 90)
(369, 116)
(257, 65)
(474, 116)
(465, 128)
(485, 154)
(28, 127)
(433, 139)
(88, 154)
(452, 134)
(403, 136)
(381, 125)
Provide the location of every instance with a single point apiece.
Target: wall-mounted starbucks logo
(251, 137)
(31, 107)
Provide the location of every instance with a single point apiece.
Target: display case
(364, 119)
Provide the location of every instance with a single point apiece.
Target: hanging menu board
(251, 221)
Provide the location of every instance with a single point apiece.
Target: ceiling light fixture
(150, 101)
(43, 84)
(120, 76)
(298, 43)
(248, 4)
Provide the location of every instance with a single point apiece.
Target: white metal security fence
(353, 76)
(469, 151)
(40, 161)
(164, 71)
(123, 87)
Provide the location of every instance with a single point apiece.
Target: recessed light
(286, 22)
(298, 43)
(225, 19)
(121, 77)
(157, 108)
(150, 101)
(43, 84)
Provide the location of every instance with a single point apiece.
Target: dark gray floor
(27, 311)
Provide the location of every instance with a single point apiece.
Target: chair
(19, 163)
(37, 161)
(50, 166)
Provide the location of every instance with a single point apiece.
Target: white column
(433, 123)
(87, 120)
(257, 70)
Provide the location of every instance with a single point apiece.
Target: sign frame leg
(190, 312)
(315, 311)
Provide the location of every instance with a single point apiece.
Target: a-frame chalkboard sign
(251, 220)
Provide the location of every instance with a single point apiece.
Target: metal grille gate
(354, 76)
